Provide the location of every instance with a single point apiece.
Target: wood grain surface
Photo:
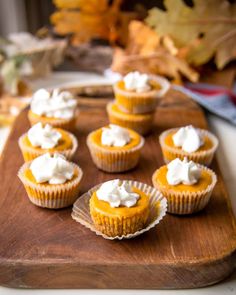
(41, 248)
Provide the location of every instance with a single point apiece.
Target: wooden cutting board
(41, 248)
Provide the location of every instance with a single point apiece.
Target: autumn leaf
(89, 6)
(213, 22)
(149, 53)
(142, 39)
(161, 63)
(87, 19)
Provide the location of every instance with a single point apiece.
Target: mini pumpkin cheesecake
(141, 123)
(118, 209)
(51, 181)
(115, 149)
(57, 109)
(46, 139)
(196, 144)
(139, 93)
(186, 185)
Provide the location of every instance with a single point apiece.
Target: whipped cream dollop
(56, 105)
(52, 169)
(136, 81)
(44, 137)
(183, 172)
(188, 138)
(117, 194)
(115, 136)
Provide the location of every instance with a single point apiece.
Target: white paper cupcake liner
(140, 123)
(81, 211)
(202, 157)
(114, 161)
(30, 153)
(144, 102)
(187, 202)
(53, 196)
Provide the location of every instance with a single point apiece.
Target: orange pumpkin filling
(29, 176)
(104, 208)
(134, 140)
(64, 143)
(153, 84)
(207, 143)
(204, 181)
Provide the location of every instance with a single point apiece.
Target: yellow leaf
(87, 19)
(89, 6)
(213, 20)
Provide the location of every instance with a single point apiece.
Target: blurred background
(187, 41)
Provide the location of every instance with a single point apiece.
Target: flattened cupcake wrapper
(202, 157)
(187, 202)
(67, 124)
(29, 153)
(157, 210)
(141, 125)
(139, 103)
(114, 160)
(53, 196)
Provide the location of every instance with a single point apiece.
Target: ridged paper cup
(201, 157)
(30, 153)
(114, 160)
(67, 124)
(157, 210)
(186, 202)
(140, 123)
(53, 196)
(139, 103)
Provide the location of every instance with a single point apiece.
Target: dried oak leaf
(160, 62)
(212, 21)
(147, 52)
(142, 39)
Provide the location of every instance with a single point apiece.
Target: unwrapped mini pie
(120, 209)
(51, 181)
(42, 139)
(186, 185)
(115, 149)
(57, 109)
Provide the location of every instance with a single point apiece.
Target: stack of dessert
(185, 180)
(136, 99)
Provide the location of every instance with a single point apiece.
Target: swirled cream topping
(56, 105)
(117, 194)
(52, 169)
(44, 137)
(135, 81)
(188, 138)
(182, 172)
(115, 136)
